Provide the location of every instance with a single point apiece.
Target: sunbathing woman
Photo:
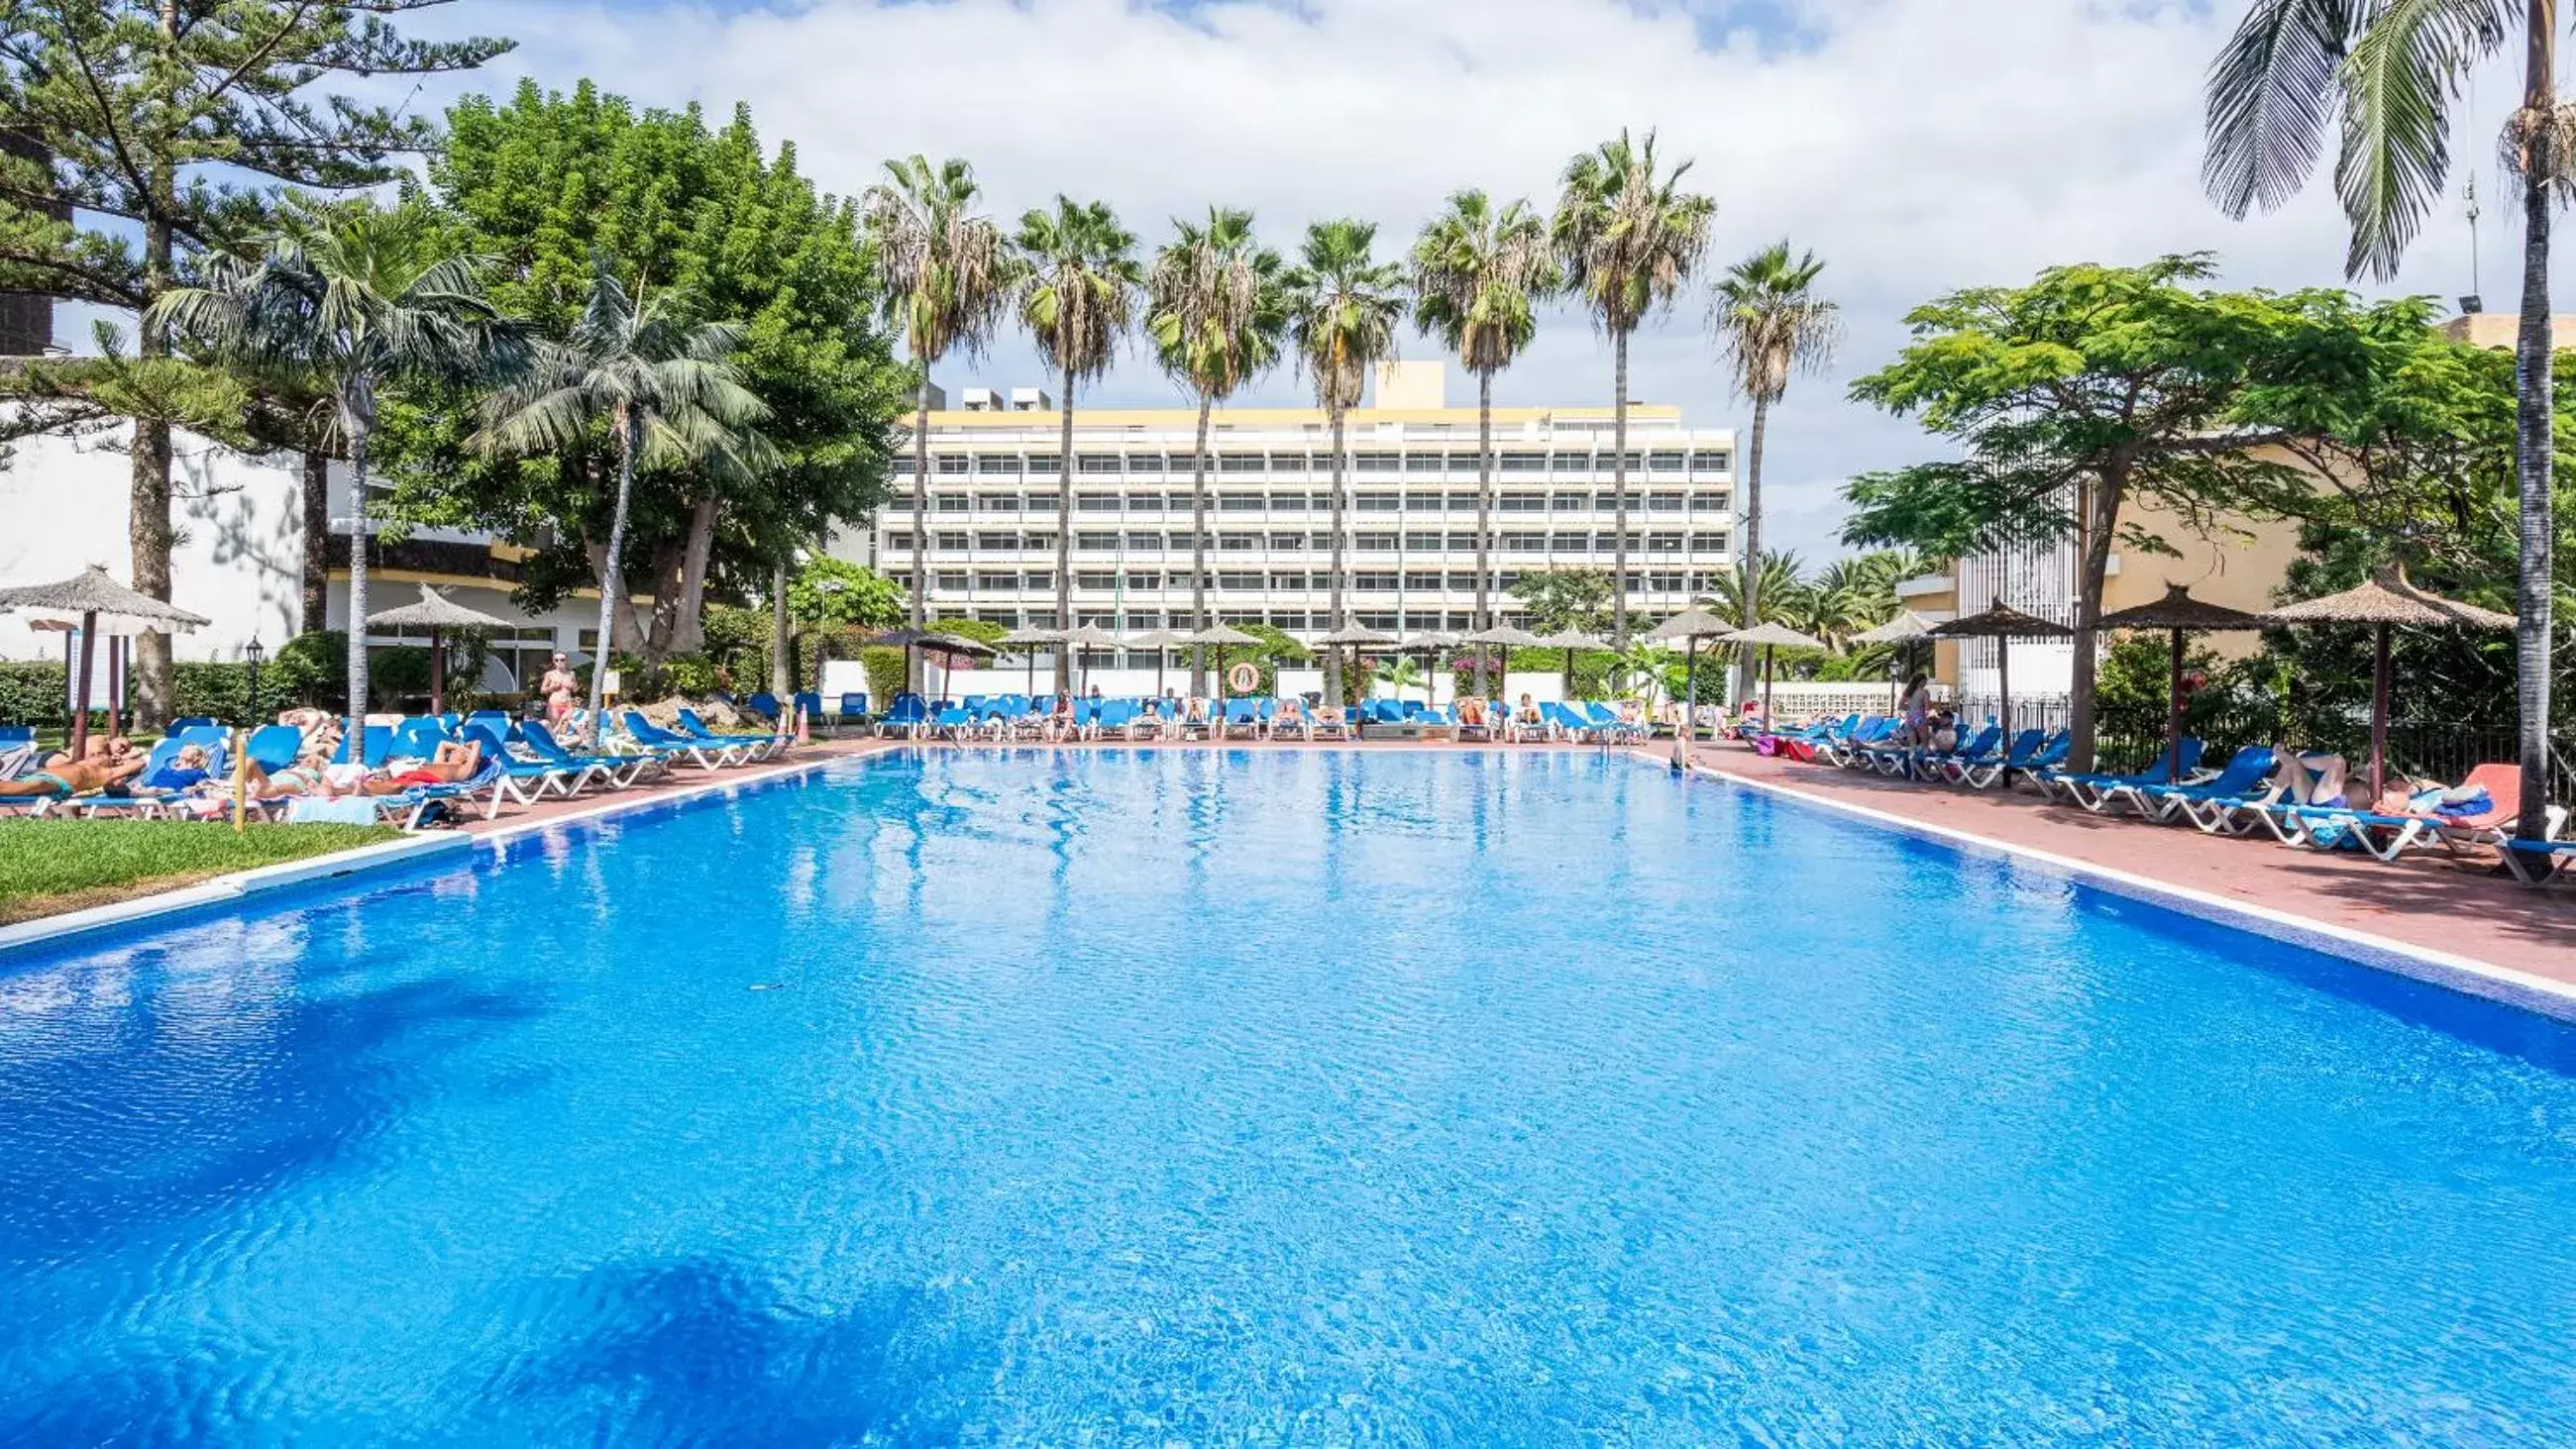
(454, 764)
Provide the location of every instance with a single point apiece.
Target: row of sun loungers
(1263, 717)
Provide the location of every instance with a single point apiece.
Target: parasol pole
(2003, 687)
(1685, 737)
(437, 671)
(80, 691)
(241, 778)
(1768, 727)
(2378, 716)
(2173, 716)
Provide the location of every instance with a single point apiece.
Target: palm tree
(1768, 322)
(667, 392)
(1478, 270)
(1343, 308)
(1217, 316)
(361, 300)
(2395, 66)
(1629, 239)
(1078, 286)
(947, 273)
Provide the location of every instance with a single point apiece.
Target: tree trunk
(1751, 587)
(1335, 695)
(630, 437)
(2533, 444)
(689, 621)
(664, 626)
(357, 725)
(782, 675)
(921, 522)
(1484, 514)
(314, 611)
(1198, 553)
(2101, 520)
(1619, 492)
(1064, 538)
(148, 530)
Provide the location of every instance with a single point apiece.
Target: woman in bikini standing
(558, 687)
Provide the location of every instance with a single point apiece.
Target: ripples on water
(1291, 1097)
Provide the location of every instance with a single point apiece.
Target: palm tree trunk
(2533, 445)
(314, 611)
(782, 643)
(1484, 512)
(357, 725)
(1619, 492)
(1752, 589)
(630, 438)
(1334, 697)
(1064, 537)
(921, 521)
(1198, 552)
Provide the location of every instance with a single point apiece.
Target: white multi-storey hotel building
(997, 500)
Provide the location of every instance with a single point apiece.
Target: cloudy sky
(1916, 145)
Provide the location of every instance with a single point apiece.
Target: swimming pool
(1123, 1097)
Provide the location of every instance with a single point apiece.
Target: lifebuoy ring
(1243, 678)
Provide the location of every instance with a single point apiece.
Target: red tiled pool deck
(2432, 903)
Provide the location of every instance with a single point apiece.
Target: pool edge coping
(2465, 974)
(238, 886)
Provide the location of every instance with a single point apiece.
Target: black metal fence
(2132, 736)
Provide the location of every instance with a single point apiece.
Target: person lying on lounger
(77, 777)
(2309, 779)
(454, 764)
(101, 747)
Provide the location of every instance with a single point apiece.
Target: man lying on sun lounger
(454, 764)
(77, 777)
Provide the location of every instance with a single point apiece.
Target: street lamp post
(253, 653)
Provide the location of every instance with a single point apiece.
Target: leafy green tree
(2394, 70)
(1562, 600)
(547, 181)
(667, 391)
(1343, 308)
(835, 591)
(1079, 280)
(362, 299)
(2090, 387)
(139, 123)
(948, 272)
(1769, 322)
(1479, 271)
(1217, 315)
(1629, 238)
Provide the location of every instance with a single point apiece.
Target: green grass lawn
(51, 866)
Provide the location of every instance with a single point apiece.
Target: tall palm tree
(361, 300)
(1768, 322)
(1343, 308)
(1078, 288)
(1629, 239)
(665, 388)
(2394, 67)
(1217, 317)
(947, 273)
(1478, 271)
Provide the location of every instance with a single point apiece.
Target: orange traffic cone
(802, 737)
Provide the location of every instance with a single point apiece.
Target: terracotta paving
(2432, 901)
(2456, 907)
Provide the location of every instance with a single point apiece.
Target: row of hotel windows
(958, 581)
(1393, 621)
(898, 546)
(1711, 503)
(1003, 465)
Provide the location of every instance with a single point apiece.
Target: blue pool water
(1279, 1098)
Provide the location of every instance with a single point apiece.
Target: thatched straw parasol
(437, 613)
(1162, 642)
(1027, 642)
(98, 601)
(2386, 602)
(1217, 636)
(1081, 637)
(1430, 646)
(1690, 626)
(1905, 628)
(2002, 623)
(908, 639)
(2178, 613)
(1770, 637)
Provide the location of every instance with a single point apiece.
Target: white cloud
(1917, 145)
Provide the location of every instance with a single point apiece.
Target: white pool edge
(2464, 974)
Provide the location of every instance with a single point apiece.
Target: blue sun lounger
(2092, 788)
(2241, 781)
(754, 747)
(704, 754)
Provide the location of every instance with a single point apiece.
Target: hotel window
(1001, 542)
(1423, 542)
(1709, 542)
(1462, 543)
(1045, 502)
(1287, 502)
(1422, 581)
(1177, 463)
(1523, 503)
(1145, 463)
(1287, 542)
(1462, 502)
(894, 542)
(998, 583)
(1039, 580)
(1709, 503)
(1287, 582)
(1570, 502)
(951, 503)
(1240, 462)
(1005, 465)
(1667, 583)
(1667, 462)
(1236, 616)
(1319, 541)
(1288, 619)
(1525, 543)
(1007, 618)
(1241, 503)
(1145, 502)
(1462, 462)
(1712, 461)
(1377, 503)
(1238, 543)
(950, 465)
(1374, 462)
(1096, 463)
(1043, 463)
(1464, 583)
(1145, 619)
(1422, 503)
(949, 542)
(1287, 462)
(952, 583)
(1422, 462)
(1522, 463)
(1136, 580)
(1095, 503)
(1150, 542)
(1039, 618)
(1096, 542)
(1374, 543)
(1663, 503)
(1096, 579)
(1038, 542)
(1384, 623)
(898, 465)
(1663, 543)
(998, 503)
(1572, 543)
(1636, 460)
(1374, 583)
(1236, 583)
